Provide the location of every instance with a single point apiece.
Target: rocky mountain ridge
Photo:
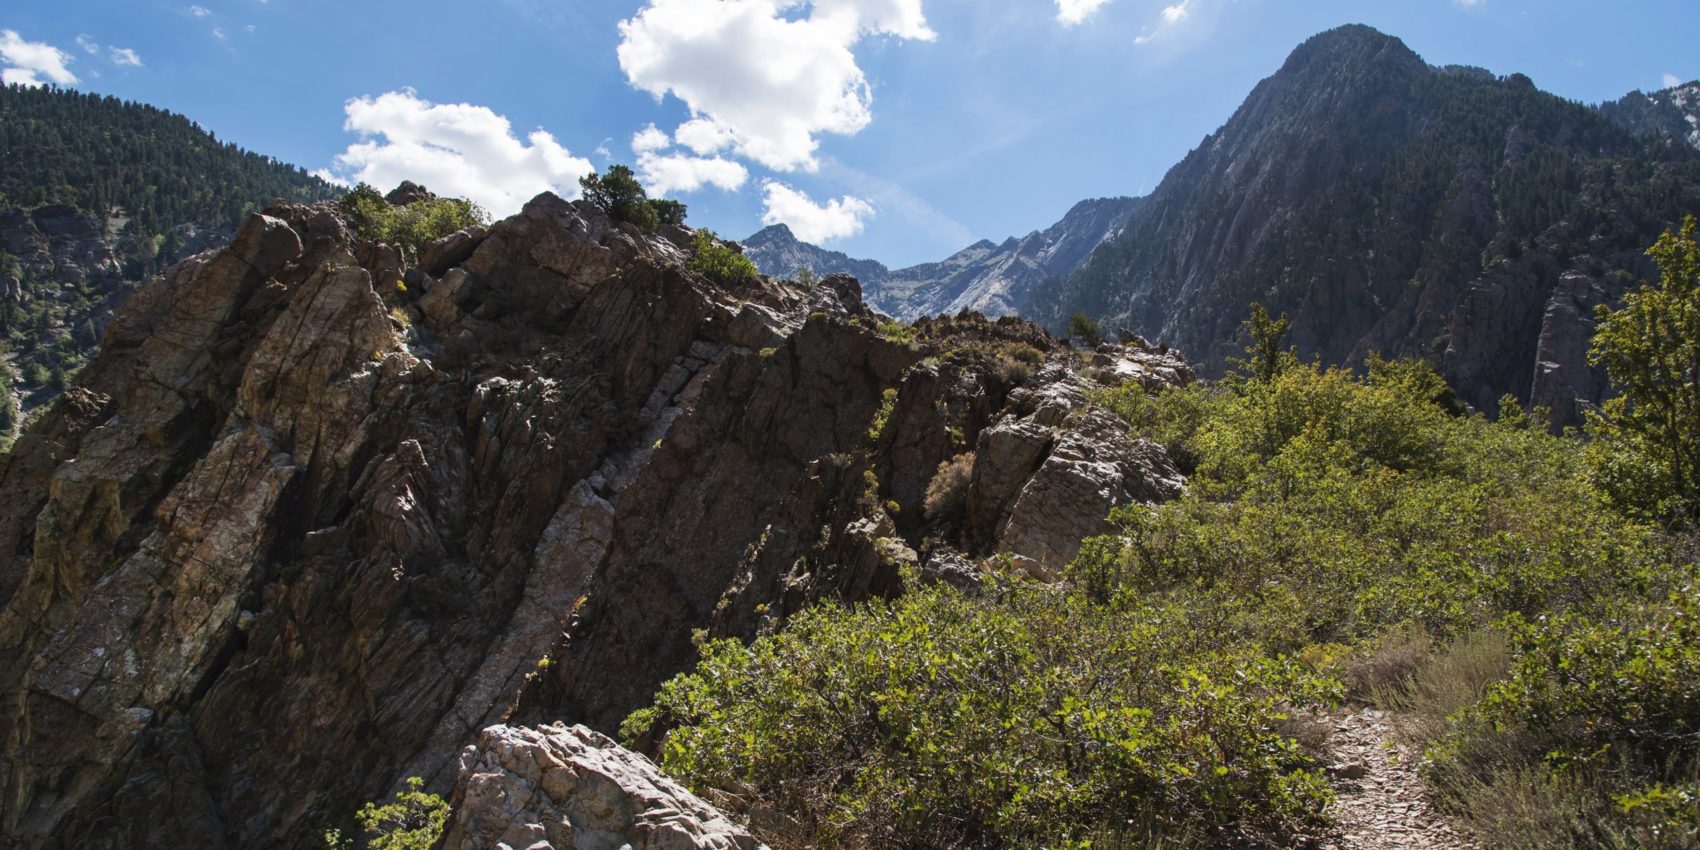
(1673, 113)
(990, 278)
(1397, 208)
(1488, 219)
(313, 518)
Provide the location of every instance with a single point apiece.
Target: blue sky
(900, 130)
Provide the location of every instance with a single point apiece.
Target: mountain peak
(1352, 45)
(773, 233)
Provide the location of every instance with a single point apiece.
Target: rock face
(1047, 474)
(67, 273)
(298, 533)
(570, 788)
(993, 279)
(1396, 208)
(1672, 113)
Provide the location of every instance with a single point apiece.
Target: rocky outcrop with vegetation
(317, 515)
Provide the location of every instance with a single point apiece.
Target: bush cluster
(619, 194)
(714, 260)
(412, 226)
(1027, 717)
(1343, 533)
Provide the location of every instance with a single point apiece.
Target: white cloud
(218, 33)
(650, 139)
(199, 11)
(89, 45)
(1468, 4)
(326, 175)
(454, 149)
(1072, 12)
(704, 136)
(812, 222)
(1171, 17)
(771, 80)
(666, 174)
(28, 62)
(124, 56)
(1672, 80)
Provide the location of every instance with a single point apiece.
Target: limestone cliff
(312, 518)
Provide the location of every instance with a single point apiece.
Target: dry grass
(947, 493)
(1424, 684)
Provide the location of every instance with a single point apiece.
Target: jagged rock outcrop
(298, 533)
(570, 788)
(1048, 473)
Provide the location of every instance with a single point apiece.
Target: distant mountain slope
(1394, 207)
(95, 153)
(1672, 112)
(777, 252)
(96, 195)
(994, 279)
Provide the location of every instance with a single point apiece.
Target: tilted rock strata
(314, 518)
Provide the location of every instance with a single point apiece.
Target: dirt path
(1381, 802)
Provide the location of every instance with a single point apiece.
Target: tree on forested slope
(96, 152)
(1649, 458)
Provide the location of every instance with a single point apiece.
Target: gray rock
(569, 788)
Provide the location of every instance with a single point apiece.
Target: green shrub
(413, 821)
(413, 226)
(882, 417)
(1021, 352)
(897, 331)
(719, 263)
(1023, 718)
(619, 194)
(1649, 462)
(1591, 740)
(1085, 328)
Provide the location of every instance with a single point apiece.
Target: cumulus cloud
(812, 222)
(1672, 80)
(650, 139)
(666, 174)
(124, 56)
(199, 11)
(1071, 12)
(704, 136)
(454, 149)
(89, 45)
(767, 80)
(28, 63)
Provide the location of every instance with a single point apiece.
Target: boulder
(570, 788)
(451, 250)
(408, 192)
